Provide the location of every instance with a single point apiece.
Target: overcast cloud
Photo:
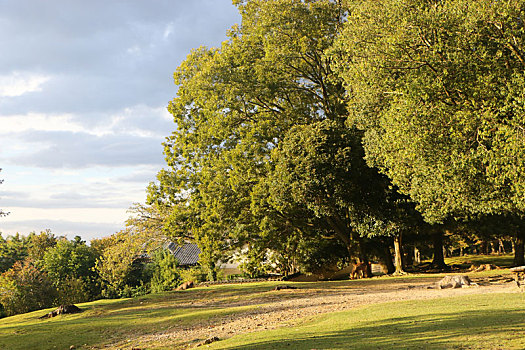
(84, 87)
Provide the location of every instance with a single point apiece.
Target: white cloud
(83, 101)
(18, 84)
(39, 121)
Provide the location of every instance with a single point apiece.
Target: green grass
(467, 260)
(481, 321)
(112, 321)
(490, 321)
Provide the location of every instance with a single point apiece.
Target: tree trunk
(398, 254)
(519, 245)
(501, 247)
(417, 256)
(363, 256)
(439, 260)
(484, 248)
(409, 257)
(382, 250)
(492, 248)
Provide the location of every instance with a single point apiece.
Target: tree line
(323, 131)
(320, 133)
(42, 270)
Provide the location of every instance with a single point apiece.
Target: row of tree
(328, 124)
(42, 270)
(321, 132)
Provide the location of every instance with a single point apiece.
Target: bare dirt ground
(287, 306)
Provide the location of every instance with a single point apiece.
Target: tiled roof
(187, 254)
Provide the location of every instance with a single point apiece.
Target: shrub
(166, 274)
(195, 274)
(73, 290)
(25, 288)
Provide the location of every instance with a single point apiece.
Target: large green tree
(438, 87)
(321, 167)
(235, 104)
(271, 81)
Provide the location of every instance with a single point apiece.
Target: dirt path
(287, 306)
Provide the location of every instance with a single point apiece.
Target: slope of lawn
(491, 321)
(111, 321)
(496, 320)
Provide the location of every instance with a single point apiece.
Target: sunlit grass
(111, 321)
(467, 260)
(437, 322)
(490, 321)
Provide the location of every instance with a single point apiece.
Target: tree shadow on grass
(467, 330)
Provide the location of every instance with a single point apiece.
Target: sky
(84, 87)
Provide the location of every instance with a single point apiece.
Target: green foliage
(121, 265)
(255, 262)
(70, 261)
(438, 89)
(25, 288)
(195, 274)
(74, 290)
(39, 244)
(322, 166)
(12, 249)
(316, 256)
(166, 275)
(128, 263)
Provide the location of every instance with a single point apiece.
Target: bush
(73, 290)
(195, 274)
(166, 274)
(135, 291)
(25, 288)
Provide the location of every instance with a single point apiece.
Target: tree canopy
(239, 111)
(438, 88)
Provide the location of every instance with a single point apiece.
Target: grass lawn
(113, 321)
(467, 260)
(489, 321)
(494, 321)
